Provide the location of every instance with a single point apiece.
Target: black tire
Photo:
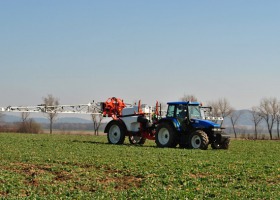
(166, 136)
(116, 132)
(137, 140)
(223, 145)
(198, 140)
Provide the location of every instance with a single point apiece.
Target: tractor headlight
(216, 129)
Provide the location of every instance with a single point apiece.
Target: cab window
(194, 112)
(170, 111)
(181, 111)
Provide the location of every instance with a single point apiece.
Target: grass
(86, 167)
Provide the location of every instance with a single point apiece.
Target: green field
(86, 167)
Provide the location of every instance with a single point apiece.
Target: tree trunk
(269, 127)
(51, 124)
(234, 131)
(270, 133)
(278, 123)
(256, 132)
(97, 132)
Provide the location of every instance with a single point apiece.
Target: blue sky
(150, 50)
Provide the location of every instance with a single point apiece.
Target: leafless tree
(50, 100)
(28, 125)
(24, 116)
(256, 119)
(234, 117)
(188, 98)
(221, 108)
(96, 119)
(214, 109)
(268, 109)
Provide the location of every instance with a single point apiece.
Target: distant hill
(41, 120)
(11, 118)
(244, 120)
(73, 120)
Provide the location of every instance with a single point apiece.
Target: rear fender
(172, 121)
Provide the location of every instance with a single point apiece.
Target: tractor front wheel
(198, 140)
(165, 136)
(223, 145)
(116, 133)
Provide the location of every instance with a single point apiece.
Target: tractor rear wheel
(222, 145)
(166, 136)
(136, 139)
(198, 140)
(116, 133)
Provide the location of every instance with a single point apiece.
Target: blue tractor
(185, 125)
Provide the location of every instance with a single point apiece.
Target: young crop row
(72, 166)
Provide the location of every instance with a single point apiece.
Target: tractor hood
(200, 123)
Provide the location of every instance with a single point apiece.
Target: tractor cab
(188, 113)
(183, 113)
(181, 110)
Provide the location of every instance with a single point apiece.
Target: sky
(153, 50)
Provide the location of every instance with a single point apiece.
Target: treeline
(72, 126)
(28, 126)
(33, 127)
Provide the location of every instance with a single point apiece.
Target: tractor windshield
(194, 112)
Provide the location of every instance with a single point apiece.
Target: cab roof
(183, 103)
